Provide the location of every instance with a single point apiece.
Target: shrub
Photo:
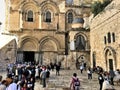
(98, 7)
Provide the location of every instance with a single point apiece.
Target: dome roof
(69, 2)
(78, 20)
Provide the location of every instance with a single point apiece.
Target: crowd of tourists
(23, 76)
(106, 79)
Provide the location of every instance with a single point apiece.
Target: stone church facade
(50, 30)
(105, 38)
(58, 31)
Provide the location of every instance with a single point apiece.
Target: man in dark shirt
(57, 69)
(101, 80)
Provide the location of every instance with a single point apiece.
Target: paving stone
(62, 82)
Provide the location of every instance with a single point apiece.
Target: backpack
(76, 82)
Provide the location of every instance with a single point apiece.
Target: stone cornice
(80, 6)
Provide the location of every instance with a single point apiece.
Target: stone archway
(49, 47)
(28, 50)
(110, 58)
(81, 41)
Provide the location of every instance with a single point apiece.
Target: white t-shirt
(12, 86)
(106, 85)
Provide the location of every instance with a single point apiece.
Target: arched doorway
(110, 58)
(81, 49)
(80, 43)
(27, 51)
(49, 48)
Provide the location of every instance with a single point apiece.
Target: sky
(2, 14)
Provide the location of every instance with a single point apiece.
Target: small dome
(70, 2)
(78, 20)
(77, 23)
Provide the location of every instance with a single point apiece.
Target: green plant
(98, 7)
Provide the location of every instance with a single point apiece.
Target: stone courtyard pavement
(62, 82)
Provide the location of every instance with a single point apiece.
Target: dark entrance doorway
(94, 60)
(110, 64)
(28, 56)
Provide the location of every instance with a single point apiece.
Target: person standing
(101, 80)
(43, 77)
(13, 85)
(57, 69)
(0, 79)
(19, 68)
(81, 68)
(52, 66)
(85, 66)
(111, 75)
(37, 72)
(3, 85)
(75, 82)
(89, 72)
(106, 85)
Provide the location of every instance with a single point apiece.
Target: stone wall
(106, 22)
(41, 35)
(8, 54)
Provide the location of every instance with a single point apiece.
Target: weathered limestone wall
(8, 54)
(41, 35)
(107, 21)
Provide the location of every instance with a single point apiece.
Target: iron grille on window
(70, 17)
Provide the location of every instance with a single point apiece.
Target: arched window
(30, 16)
(105, 41)
(70, 17)
(48, 16)
(109, 37)
(113, 37)
(80, 43)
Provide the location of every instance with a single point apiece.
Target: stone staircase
(62, 82)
